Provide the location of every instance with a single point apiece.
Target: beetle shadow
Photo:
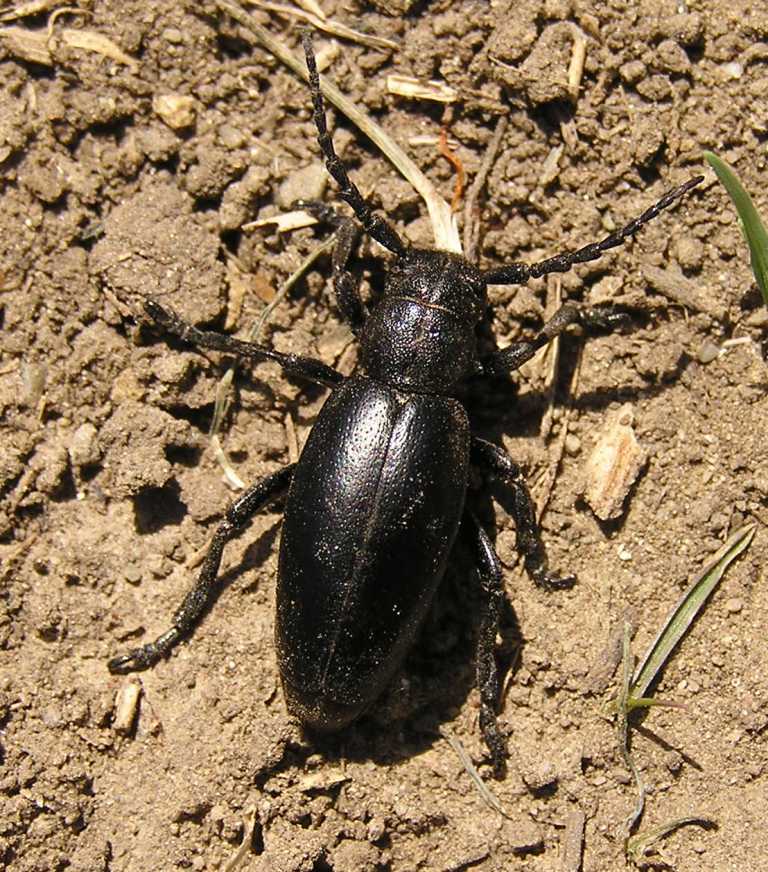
(256, 554)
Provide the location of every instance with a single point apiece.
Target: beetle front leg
(496, 462)
(197, 601)
(345, 283)
(491, 583)
(515, 355)
(292, 364)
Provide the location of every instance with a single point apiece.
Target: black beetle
(375, 502)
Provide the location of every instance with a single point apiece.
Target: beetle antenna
(519, 273)
(374, 225)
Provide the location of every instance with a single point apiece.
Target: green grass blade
(640, 846)
(752, 227)
(622, 725)
(683, 614)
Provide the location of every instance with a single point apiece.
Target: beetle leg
(515, 355)
(519, 273)
(345, 282)
(493, 460)
(198, 600)
(489, 572)
(374, 225)
(292, 364)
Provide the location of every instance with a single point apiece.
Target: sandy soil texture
(136, 139)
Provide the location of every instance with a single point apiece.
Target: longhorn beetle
(375, 501)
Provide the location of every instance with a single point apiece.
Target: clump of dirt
(129, 176)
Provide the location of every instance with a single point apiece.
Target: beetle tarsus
(146, 656)
(133, 661)
(550, 580)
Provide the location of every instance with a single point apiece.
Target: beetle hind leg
(197, 601)
(491, 583)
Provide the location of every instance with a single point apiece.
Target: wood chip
(578, 57)
(35, 7)
(418, 89)
(613, 466)
(90, 40)
(35, 45)
(312, 7)
(285, 222)
(246, 845)
(328, 25)
(126, 706)
(573, 841)
(237, 282)
(29, 45)
(604, 666)
(680, 289)
(550, 169)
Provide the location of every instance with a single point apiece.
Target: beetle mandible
(376, 499)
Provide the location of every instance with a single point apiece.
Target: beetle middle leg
(496, 462)
(515, 355)
(197, 601)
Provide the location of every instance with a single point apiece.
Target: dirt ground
(116, 187)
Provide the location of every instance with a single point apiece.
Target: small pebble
(624, 553)
(83, 449)
(177, 110)
(733, 70)
(307, 183)
(231, 137)
(734, 605)
(132, 574)
(572, 444)
(376, 830)
(172, 35)
(708, 351)
(632, 72)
